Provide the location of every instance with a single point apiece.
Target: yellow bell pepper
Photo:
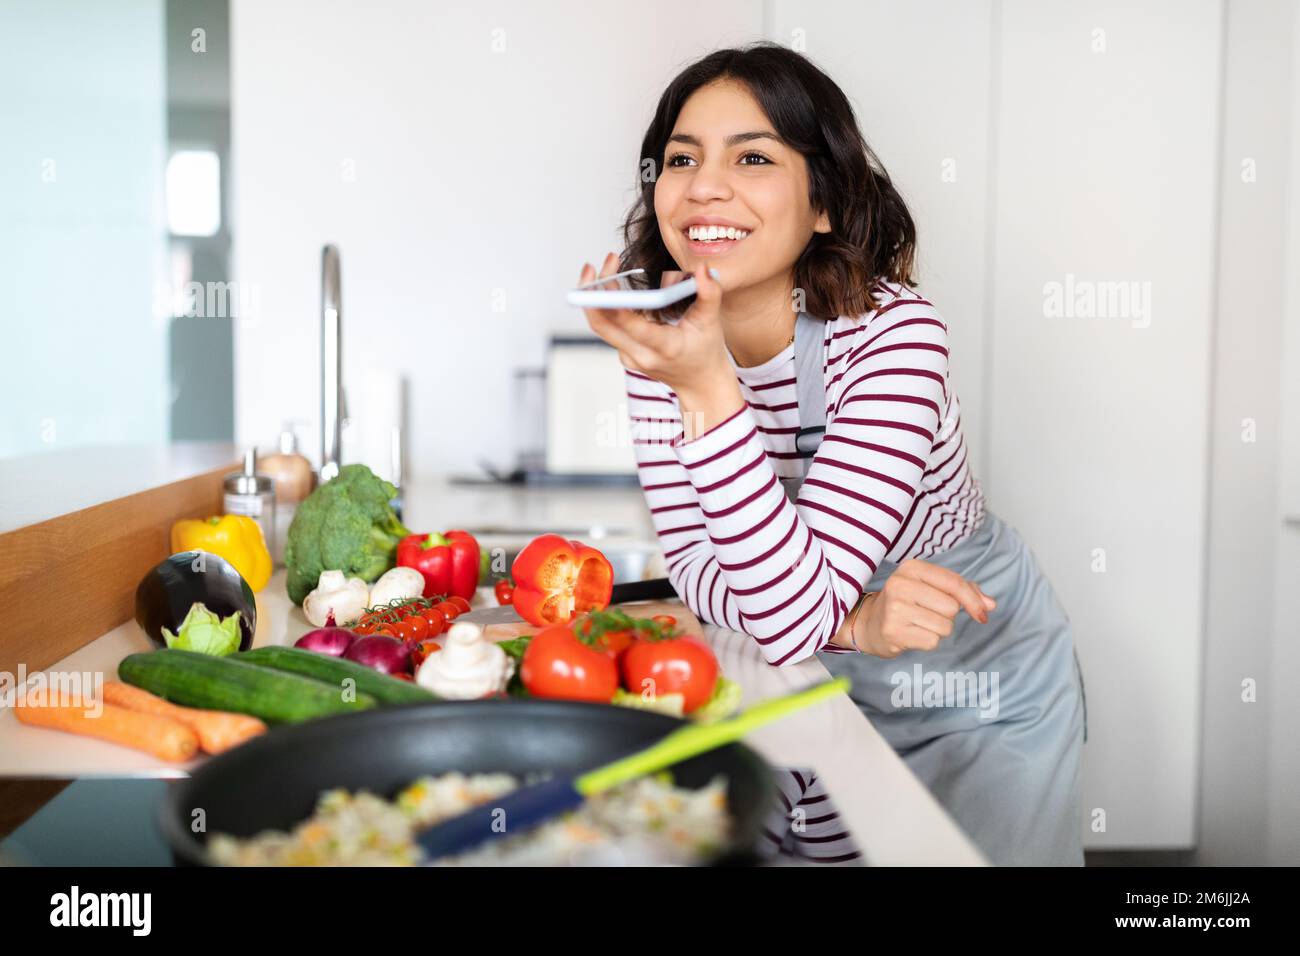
(237, 538)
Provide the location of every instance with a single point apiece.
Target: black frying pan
(272, 782)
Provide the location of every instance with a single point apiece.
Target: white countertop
(890, 814)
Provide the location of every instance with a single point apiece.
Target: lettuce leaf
(723, 702)
(204, 632)
(670, 704)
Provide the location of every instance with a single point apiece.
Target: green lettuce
(204, 632)
(723, 702)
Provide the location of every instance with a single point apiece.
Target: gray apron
(993, 721)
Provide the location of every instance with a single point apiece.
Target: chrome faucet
(332, 410)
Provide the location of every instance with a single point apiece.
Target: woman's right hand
(681, 356)
(916, 608)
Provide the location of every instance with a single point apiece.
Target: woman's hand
(915, 610)
(689, 357)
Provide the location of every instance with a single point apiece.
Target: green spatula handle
(692, 741)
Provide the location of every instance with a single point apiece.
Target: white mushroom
(345, 598)
(468, 666)
(397, 584)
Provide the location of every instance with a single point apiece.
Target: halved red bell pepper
(557, 579)
(449, 562)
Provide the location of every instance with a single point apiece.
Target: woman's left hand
(689, 357)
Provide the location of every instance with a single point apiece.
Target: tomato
(420, 653)
(417, 625)
(679, 665)
(557, 664)
(460, 602)
(449, 610)
(436, 619)
(386, 629)
(615, 643)
(504, 590)
(402, 675)
(403, 631)
(665, 620)
(363, 629)
(615, 631)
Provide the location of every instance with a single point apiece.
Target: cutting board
(688, 622)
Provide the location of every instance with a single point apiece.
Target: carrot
(217, 729)
(161, 736)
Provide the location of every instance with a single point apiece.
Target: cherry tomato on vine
(418, 625)
(504, 591)
(436, 619)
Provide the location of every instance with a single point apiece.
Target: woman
(805, 327)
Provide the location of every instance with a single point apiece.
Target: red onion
(329, 639)
(385, 654)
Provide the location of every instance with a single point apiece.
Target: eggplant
(176, 601)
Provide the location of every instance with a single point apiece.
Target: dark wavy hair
(872, 234)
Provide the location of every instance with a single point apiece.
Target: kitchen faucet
(332, 409)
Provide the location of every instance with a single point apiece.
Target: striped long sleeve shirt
(890, 481)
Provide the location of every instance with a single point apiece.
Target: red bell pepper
(449, 562)
(557, 579)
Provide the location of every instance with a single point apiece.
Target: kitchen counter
(891, 816)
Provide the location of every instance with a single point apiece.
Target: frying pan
(273, 781)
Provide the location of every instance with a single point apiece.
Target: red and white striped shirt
(891, 480)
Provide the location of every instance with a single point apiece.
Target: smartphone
(590, 295)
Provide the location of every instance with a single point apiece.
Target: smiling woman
(799, 444)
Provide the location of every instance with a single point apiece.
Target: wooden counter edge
(66, 581)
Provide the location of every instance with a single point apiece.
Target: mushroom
(345, 598)
(396, 584)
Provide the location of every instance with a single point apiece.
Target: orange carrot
(217, 729)
(161, 736)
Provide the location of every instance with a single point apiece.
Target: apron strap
(810, 384)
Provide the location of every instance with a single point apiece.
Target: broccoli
(346, 524)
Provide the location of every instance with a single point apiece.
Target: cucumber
(335, 670)
(221, 683)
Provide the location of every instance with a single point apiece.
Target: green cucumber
(335, 670)
(223, 683)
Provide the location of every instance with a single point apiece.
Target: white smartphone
(591, 296)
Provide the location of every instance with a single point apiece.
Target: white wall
(478, 179)
(1246, 435)
(83, 114)
(1283, 757)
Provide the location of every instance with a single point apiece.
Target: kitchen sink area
(505, 517)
